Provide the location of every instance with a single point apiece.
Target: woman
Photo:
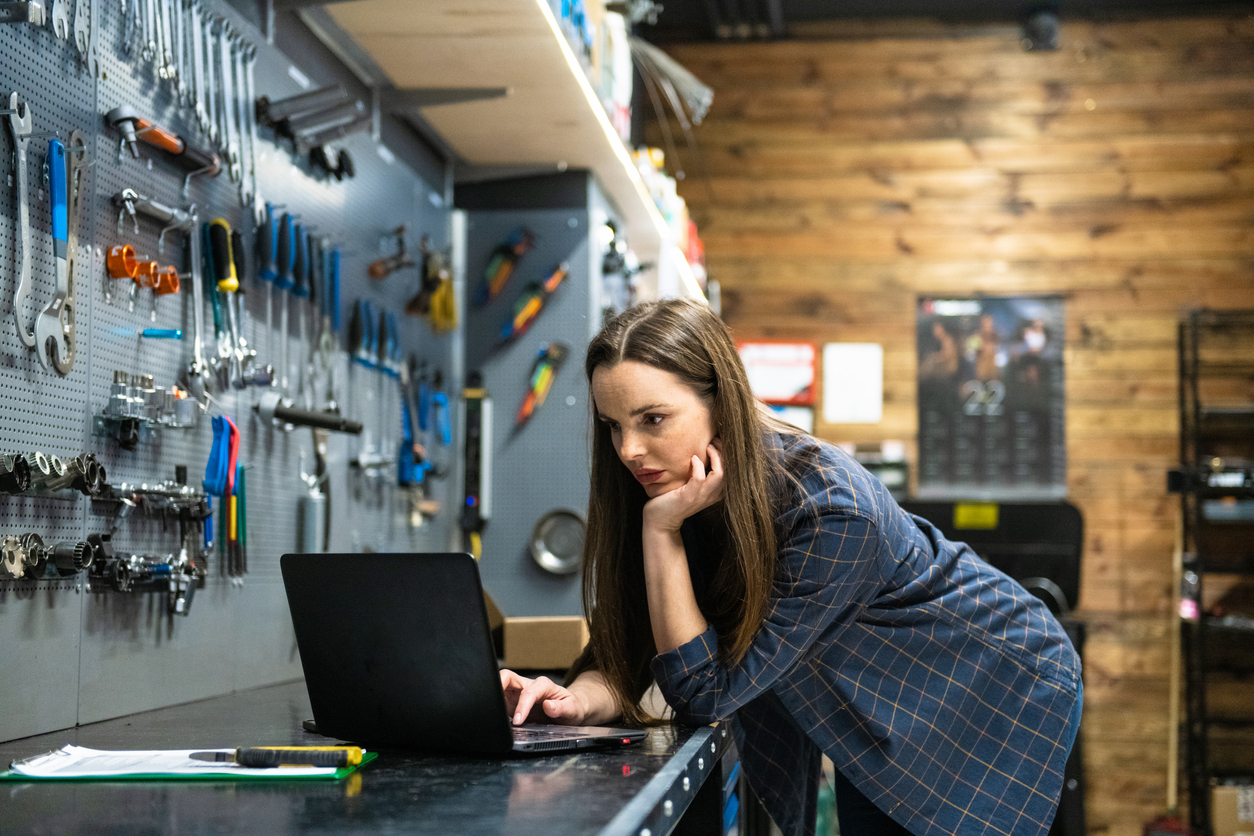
(760, 575)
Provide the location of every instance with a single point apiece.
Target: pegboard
(549, 454)
(90, 654)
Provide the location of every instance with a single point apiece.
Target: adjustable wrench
(20, 122)
(54, 329)
(60, 19)
(22, 11)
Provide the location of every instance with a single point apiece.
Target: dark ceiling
(756, 19)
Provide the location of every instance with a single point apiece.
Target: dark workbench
(637, 790)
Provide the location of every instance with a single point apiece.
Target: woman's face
(657, 423)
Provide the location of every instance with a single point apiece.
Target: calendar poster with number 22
(991, 398)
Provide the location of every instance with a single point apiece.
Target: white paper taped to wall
(853, 383)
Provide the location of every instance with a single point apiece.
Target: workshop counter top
(676, 773)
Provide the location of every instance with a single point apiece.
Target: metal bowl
(557, 541)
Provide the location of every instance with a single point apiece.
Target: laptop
(397, 653)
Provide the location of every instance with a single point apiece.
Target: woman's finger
(537, 689)
(716, 459)
(512, 684)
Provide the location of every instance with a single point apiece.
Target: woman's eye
(653, 420)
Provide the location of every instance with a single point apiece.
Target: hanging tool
(133, 127)
(543, 372)
(301, 268)
(197, 373)
(20, 121)
(390, 364)
(501, 265)
(255, 374)
(270, 114)
(284, 281)
(132, 203)
(250, 121)
(329, 307)
(82, 28)
(477, 507)
(434, 298)
(529, 304)
(22, 12)
(228, 283)
(60, 19)
(267, 240)
(363, 349)
(384, 267)
(230, 100)
(278, 409)
(54, 329)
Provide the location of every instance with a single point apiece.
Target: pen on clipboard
(264, 757)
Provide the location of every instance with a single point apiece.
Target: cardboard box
(544, 642)
(1232, 811)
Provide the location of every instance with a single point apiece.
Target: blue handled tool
(162, 333)
(268, 269)
(285, 281)
(54, 328)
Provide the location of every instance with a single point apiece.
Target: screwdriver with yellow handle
(223, 260)
(264, 757)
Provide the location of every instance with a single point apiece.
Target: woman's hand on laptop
(540, 700)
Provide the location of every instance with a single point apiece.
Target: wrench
(198, 70)
(130, 23)
(211, 90)
(54, 329)
(250, 118)
(241, 104)
(229, 101)
(82, 28)
(22, 11)
(92, 59)
(75, 161)
(20, 122)
(180, 38)
(198, 370)
(60, 19)
(167, 40)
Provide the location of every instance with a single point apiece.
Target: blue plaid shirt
(945, 692)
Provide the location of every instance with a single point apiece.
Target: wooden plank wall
(856, 166)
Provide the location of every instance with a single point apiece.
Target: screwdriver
(228, 283)
(283, 281)
(300, 289)
(268, 269)
(240, 259)
(273, 756)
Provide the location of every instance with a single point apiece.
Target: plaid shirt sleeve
(827, 573)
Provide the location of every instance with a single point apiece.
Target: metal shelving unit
(1216, 486)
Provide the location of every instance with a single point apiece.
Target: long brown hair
(689, 341)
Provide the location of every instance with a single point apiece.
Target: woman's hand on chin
(667, 512)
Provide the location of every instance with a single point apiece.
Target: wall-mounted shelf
(550, 116)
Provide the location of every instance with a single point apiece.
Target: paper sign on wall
(780, 373)
(853, 383)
